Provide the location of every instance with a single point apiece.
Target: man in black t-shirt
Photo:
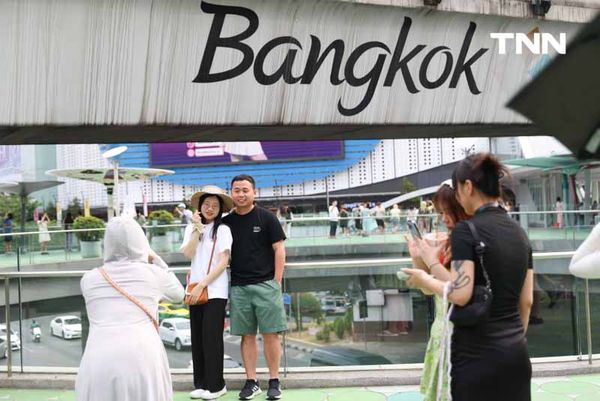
(257, 263)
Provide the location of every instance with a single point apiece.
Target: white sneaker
(211, 396)
(198, 394)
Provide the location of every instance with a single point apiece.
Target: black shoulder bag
(478, 309)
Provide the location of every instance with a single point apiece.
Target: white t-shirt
(220, 287)
(379, 212)
(334, 213)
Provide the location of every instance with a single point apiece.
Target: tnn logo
(539, 45)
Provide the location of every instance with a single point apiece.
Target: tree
(11, 203)
(74, 207)
(309, 306)
(407, 186)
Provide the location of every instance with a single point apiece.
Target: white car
(67, 327)
(176, 331)
(228, 363)
(14, 337)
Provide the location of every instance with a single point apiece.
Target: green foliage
(50, 208)
(309, 306)
(406, 187)
(161, 217)
(348, 319)
(83, 222)
(11, 203)
(324, 334)
(339, 327)
(74, 207)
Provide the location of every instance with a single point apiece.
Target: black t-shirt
(507, 257)
(252, 254)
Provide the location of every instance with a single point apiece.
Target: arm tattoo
(461, 278)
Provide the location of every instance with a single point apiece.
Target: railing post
(588, 319)
(7, 314)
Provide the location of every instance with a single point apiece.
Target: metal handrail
(7, 276)
(306, 219)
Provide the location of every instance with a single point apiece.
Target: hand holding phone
(414, 230)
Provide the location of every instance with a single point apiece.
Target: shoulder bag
(203, 298)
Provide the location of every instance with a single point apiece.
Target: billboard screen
(212, 153)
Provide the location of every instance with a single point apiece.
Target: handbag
(130, 297)
(477, 310)
(203, 298)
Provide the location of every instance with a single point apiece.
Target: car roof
(67, 317)
(176, 320)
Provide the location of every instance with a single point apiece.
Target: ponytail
(484, 171)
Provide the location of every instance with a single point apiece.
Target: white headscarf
(125, 241)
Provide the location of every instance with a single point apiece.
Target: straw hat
(213, 190)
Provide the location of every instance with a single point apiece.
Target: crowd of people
(480, 274)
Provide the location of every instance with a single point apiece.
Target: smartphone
(414, 230)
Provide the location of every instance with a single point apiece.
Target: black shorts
(8, 238)
(380, 223)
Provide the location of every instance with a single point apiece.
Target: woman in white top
(124, 358)
(44, 236)
(586, 260)
(208, 241)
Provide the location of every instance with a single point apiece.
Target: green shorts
(257, 306)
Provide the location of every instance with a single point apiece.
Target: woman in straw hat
(207, 243)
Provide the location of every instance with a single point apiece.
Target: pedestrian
(451, 213)
(344, 219)
(379, 213)
(68, 226)
(356, 212)
(395, 217)
(256, 302)
(44, 235)
(288, 216)
(124, 358)
(489, 354)
(207, 243)
(559, 213)
(7, 226)
(140, 219)
(334, 218)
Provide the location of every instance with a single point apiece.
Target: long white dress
(124, 358)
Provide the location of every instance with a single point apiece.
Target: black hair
(483, 170)
(217, 221)
(10, 216)
(558, 199)
(244, 177)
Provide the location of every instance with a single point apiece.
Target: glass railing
(340, 313)
(309, 236)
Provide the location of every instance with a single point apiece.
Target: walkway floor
(573, 388)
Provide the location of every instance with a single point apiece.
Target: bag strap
(212, 253)
(479, 251)
(130, 297)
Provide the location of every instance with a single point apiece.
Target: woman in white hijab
(124, 358)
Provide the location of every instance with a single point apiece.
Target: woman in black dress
(490, 360)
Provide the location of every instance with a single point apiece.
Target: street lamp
(112, 155)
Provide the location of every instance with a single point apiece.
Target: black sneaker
(251, 389)
(274, 392)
